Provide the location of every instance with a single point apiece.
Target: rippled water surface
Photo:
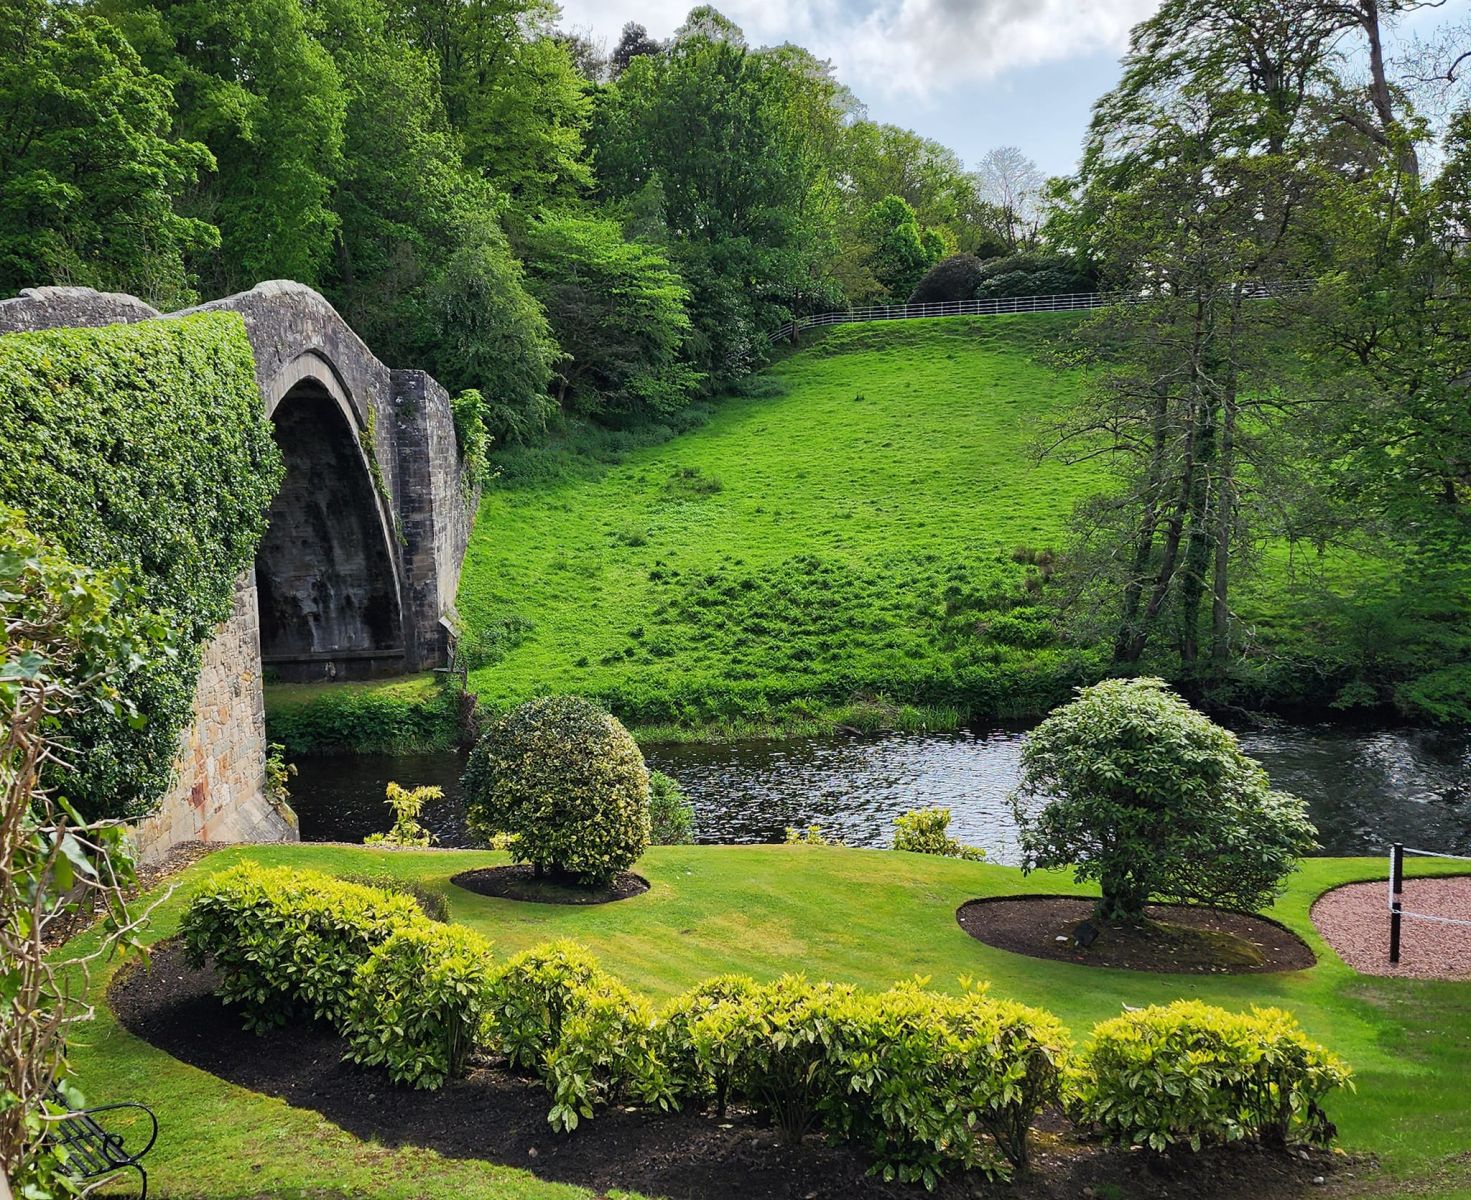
(1365, 788)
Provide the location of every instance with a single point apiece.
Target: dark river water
(1364, 787)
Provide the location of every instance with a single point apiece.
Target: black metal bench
(90, 1150)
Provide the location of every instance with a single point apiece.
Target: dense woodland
(569, 232)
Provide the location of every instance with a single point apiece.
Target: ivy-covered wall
(144, 446)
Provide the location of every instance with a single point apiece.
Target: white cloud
(905, 47)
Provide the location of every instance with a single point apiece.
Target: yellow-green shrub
(532, 995)
(1192, 1074)
(419, 1003)
(555, 1012)
(927, 831)
(916, 1075)
(606, 1051)
(283, 940)
(771, 1044)
(689, 1081)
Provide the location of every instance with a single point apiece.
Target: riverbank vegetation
(864, 917)
(412, 714)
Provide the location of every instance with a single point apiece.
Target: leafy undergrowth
(403, 715)
(865, 916)
(876, 531)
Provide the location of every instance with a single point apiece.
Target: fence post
(1396, 890)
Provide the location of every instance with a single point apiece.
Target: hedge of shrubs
(923, 1082)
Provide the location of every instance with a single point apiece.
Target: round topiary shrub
(568, 781)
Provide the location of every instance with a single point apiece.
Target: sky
(972, 74)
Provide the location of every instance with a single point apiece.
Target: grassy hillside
(861, 541)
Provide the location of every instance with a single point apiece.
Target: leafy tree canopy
(1141, 794)
(89, 172)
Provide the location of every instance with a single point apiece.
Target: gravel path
(1354, 920)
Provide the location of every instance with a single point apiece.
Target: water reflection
(1364, 787)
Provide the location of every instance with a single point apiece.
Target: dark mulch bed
(1178, 938)
(500, 1117)
(522, 883)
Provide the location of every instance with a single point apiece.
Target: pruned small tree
(568, 781)
(1151, 800)
(64, 639)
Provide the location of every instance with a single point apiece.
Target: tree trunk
(1130, 632)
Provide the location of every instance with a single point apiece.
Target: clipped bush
(1192, 1074)
(283, 940)
(771, 1044)
(692, 1081)
(606, 1051)
(419, 1002)
(568, 781)
(926, 831)
(532, 996)
(671, 815)
(916, 1074)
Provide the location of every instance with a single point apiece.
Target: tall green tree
(618, 311)
(898, 255)
(718, 137)
(1195, 173)
(479, 328)
(511, 91)
(253, 85)
(89, 172)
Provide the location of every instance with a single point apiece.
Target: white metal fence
(1065, 302)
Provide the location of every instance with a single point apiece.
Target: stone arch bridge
(357, 572)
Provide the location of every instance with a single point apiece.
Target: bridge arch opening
(327, 588)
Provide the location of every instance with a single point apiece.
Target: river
(1364, 787)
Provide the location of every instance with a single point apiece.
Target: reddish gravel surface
(1354, 920)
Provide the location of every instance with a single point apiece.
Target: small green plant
(671, 815)
(1191, 1074)
(812, 835)
(926, 831)
(569, 782)
(406, 805)
(419, 1003)
(279, 774)
(472, 438)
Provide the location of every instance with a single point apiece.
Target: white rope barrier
(1438, 854)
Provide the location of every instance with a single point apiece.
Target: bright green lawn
(851, 536)
(867, 916)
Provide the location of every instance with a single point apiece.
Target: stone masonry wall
(219, 791)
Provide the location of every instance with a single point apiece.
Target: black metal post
(1396, 890)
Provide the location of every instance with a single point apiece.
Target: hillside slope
(867, 536)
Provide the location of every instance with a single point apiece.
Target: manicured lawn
(853, 535)
(867, 916)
